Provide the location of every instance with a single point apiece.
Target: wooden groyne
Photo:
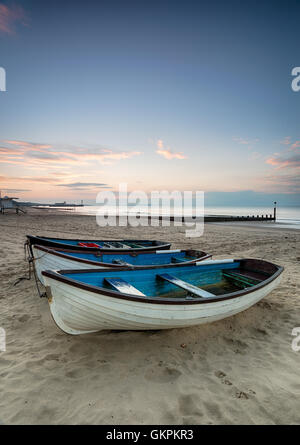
(233, 218)
(220, 218)
(215, 218)
(239, 218)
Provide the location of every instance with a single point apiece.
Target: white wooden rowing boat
(89, 301)
(46, 258)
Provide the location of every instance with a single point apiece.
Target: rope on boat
(28, 258)
(31, 269)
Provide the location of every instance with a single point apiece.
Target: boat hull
(49, 259)
(78, 311)
(73, 244)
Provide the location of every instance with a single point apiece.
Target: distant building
(60, 204)
(9, 203)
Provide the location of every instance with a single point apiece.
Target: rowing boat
(84, 301)
(57, 258)
(96, 245)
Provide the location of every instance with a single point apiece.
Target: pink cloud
(286, 172)
(167, 153)
(160, 143)
(289, 183)
(295, 145)
(10, 17)
(106, 155)
(9, 151)
(47, 180)
(243, 141)
(29, 145)
(78, 157)
(286, 140)
(282, 162)
(34, 154)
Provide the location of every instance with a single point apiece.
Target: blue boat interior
(132, 244)
(135, 260)
(214, 279)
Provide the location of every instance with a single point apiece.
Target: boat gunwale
(63, 254)
(58, 276)
(50, 242)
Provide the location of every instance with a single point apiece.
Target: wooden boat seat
(124, 246)
(119, 245)
(194, 290)
(176, 260)
(135, 246)
(123, 286)
(244, 277)
(259, 276)
(121, 263)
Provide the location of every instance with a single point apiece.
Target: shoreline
(263, 225)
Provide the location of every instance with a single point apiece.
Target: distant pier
(65, 204)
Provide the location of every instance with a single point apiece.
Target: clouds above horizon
(62, 170)
(8, 190)
(49, 179)
(10, 17)
(289, 158)
(280, 161)
(167, 153)
(284, 175)
(249, 143)
(288, 182)
(286, 167)
(44, 166)
(286, 140)
(44, 155)
(84, 185)
(244, 141)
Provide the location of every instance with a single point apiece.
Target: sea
(287, 217)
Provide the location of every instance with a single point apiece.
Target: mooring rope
(31, 269)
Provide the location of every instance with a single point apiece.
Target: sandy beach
(239, 370)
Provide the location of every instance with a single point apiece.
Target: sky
(161, 95)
